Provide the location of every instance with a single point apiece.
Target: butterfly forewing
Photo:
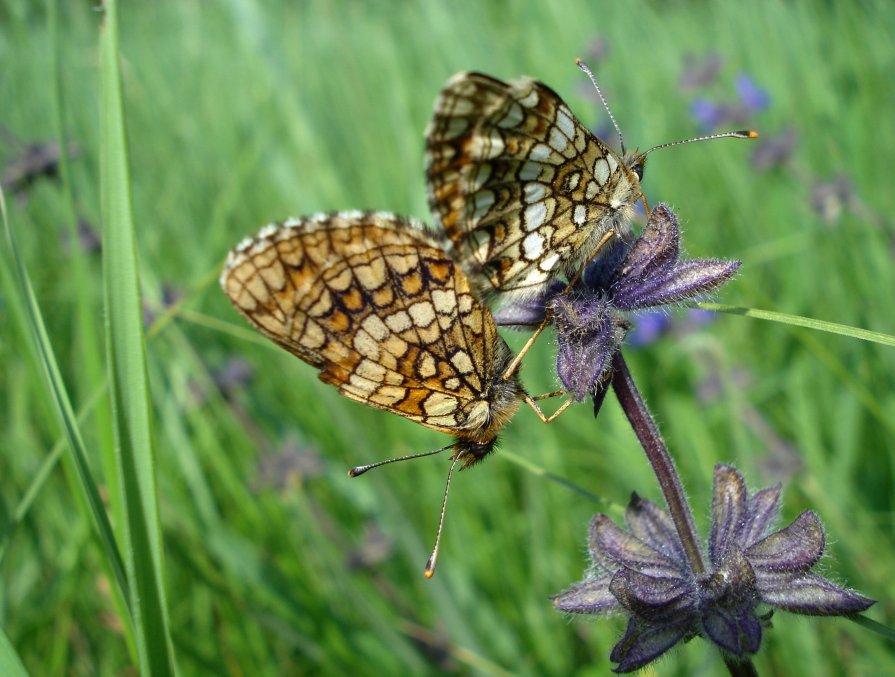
(522, 189)
(377, 305)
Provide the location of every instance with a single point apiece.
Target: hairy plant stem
(670, 482)
(657, 453)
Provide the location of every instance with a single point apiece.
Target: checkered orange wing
(376, 304)
(523, 190)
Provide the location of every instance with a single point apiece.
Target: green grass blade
(129, 387)
(59, 395)
(10, 663)
(807, 322)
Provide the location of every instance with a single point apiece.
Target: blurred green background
(242, 112)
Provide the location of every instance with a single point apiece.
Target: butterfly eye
(637, 168)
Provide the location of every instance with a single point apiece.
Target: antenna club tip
(429, 571)
(752, 134)
(354, 472)
(578, 61)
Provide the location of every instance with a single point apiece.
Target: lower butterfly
(377, 305)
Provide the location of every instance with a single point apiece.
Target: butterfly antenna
(742, 134)
(433, 558)
(583, 66)
(361, 469)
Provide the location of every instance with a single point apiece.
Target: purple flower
(751, 95)
(638, 275)
(643, 572)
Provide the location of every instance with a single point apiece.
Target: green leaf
(129, 387)
(807, 322)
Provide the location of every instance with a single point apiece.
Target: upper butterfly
(523, 190)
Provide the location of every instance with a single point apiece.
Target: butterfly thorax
(486, 416)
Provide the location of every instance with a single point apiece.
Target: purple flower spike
(644, 573)
(653, 275)
(587, 334)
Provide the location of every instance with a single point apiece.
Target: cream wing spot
(422, 313)
(530, 100)
(534, 191)
(534, 216)
(375, 327)
(370, 371)
(530, 171)
(462, 362)
(579, 216)
(611, 162)
(256, 287)
(512, 118)
(445, 301)
(398, 322)
(558, 140)
(540, 152)
(533, 246)
(426, 365)
(482, 201)
(366, 345)
(313, 336)
(564, 122)
(341, 281)
(440, 404)
(601, 171)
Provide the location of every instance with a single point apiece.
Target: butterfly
(376, 304)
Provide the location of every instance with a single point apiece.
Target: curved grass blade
(799, 321)
(128, 382)
(62, 404)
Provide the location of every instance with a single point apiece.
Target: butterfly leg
(531, 402)
(645, 205)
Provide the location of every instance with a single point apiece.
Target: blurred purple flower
(751, 99)
(648, 327)
(88, 240)
(700, 72)
(750, 94)
(774, 151)
(35, 161)
(151, 311)
(597, 49)
(644, 573)
(699, 317)
(376, 547)
(231, 376)
(289, 467)
(830, 198)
